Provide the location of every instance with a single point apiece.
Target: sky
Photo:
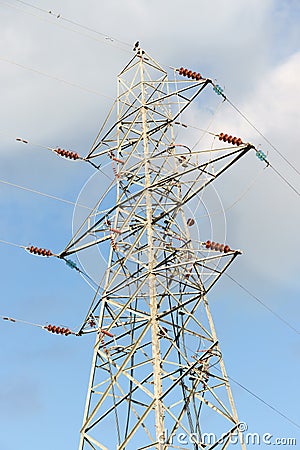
(58, 82)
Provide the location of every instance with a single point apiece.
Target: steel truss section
(157, 369)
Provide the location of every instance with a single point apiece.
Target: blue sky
(252, 49)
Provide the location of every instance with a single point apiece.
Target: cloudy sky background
(251, 48)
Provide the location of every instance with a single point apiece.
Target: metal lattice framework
(157, 369)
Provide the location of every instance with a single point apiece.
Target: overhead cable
(263, 401)
(104, 37)
(264, 137)
(53, 77)
(263, 304)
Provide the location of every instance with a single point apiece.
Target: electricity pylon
(157, 380)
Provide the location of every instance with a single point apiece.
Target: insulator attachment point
(218, 90)
(71, 264)
(261, 155)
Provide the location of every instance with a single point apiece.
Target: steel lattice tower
(157, 369)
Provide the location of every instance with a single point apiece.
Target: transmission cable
(257, 396)
(243, 194)
(10, 319)
(259, 300)
(285, 180)
(262, 135)
(60, 199)
(107, 39)
(262, 401)
(53, 77)
(59, 16)
(68, 201)
(41, 251)
(49, 328)
(219, 91)
(229, 377)
(178, 123)
(268, 163)
(84, 206)
(263, 304)
(11, 243)
(245, 289)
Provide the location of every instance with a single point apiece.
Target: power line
(68, 262)
(263, 304)
(219, 91)
(84, 206)
(268, 163)
(53, 77)
(240, 197)
(263, 136)
(104, 37)
(268, 404)
(231, 378)
(59, 16)
(285, 180)
(112, 39)
(50, 328)
(18, 186)
(10, 319)
(263, 401)
(235, 381)
(104, 95)
(12, 244)
(278, 316)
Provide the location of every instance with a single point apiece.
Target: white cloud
(207, 36)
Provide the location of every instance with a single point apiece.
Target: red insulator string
(50, 328)
(66, 153)
(113, 242)
(32, 249)
(47, 253)
(113, 160)
(230, 139)
(118, 160)
(189, 74)
(114, 230)
(61, 152)
(217, 247)
(39, 251)
(58, 330)
(104, 346)
(107, 333)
